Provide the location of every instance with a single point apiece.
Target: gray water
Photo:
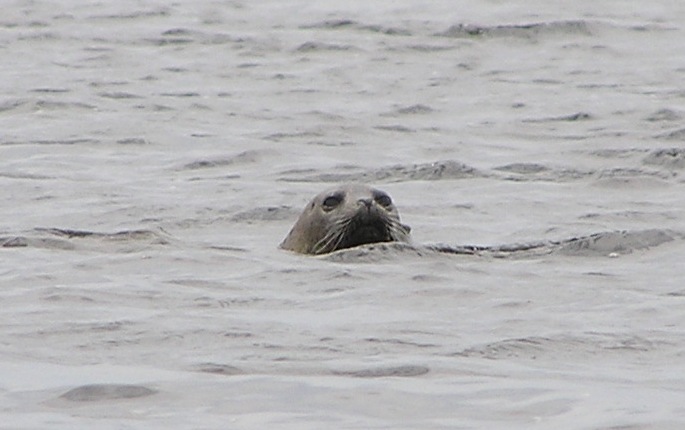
(153, 155)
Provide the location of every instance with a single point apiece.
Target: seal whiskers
(398, 231)
(333, 238)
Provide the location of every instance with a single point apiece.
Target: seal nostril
(366, 202)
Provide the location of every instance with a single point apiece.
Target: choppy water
(154, 154)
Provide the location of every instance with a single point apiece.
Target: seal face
(343, 217)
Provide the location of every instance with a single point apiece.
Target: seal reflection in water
(343, 217)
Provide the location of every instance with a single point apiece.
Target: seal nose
(367, 211)
(365, 202)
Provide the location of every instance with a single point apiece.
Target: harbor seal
(343, 217)
(353, 214)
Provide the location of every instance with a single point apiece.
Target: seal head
(343, 217)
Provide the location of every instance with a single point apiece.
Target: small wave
(520, 172)
(630, 174)
(338, 24)
(678, 134)
(608, 244)
(10, 105)
(183, 36)
(438, 170)
(270, 213)
(80, 141)
(245, 157)
(608, 177)
(44, 105)
(277, 137)
(331, 24)
(578, 116)
(586, 345)
(47, 90)
(523, 168)
(35, 242)
(118, 236)
(617, 153)
(67, 239)
(415, 109)
(119, 95)
(613, 243)
(527, 31)
(100, 392)
(218, 369)
(140, 14)
(133, 141)
(451, 169)
(384, 372)
(375, 252)
(322, 46)
(30, 176)
(665, 115)
(398, 128)
(672, 158)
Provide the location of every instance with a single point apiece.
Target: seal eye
(384, 200)
(331, 202)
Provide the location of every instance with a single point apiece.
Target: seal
(344, 217)
(355, 214)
